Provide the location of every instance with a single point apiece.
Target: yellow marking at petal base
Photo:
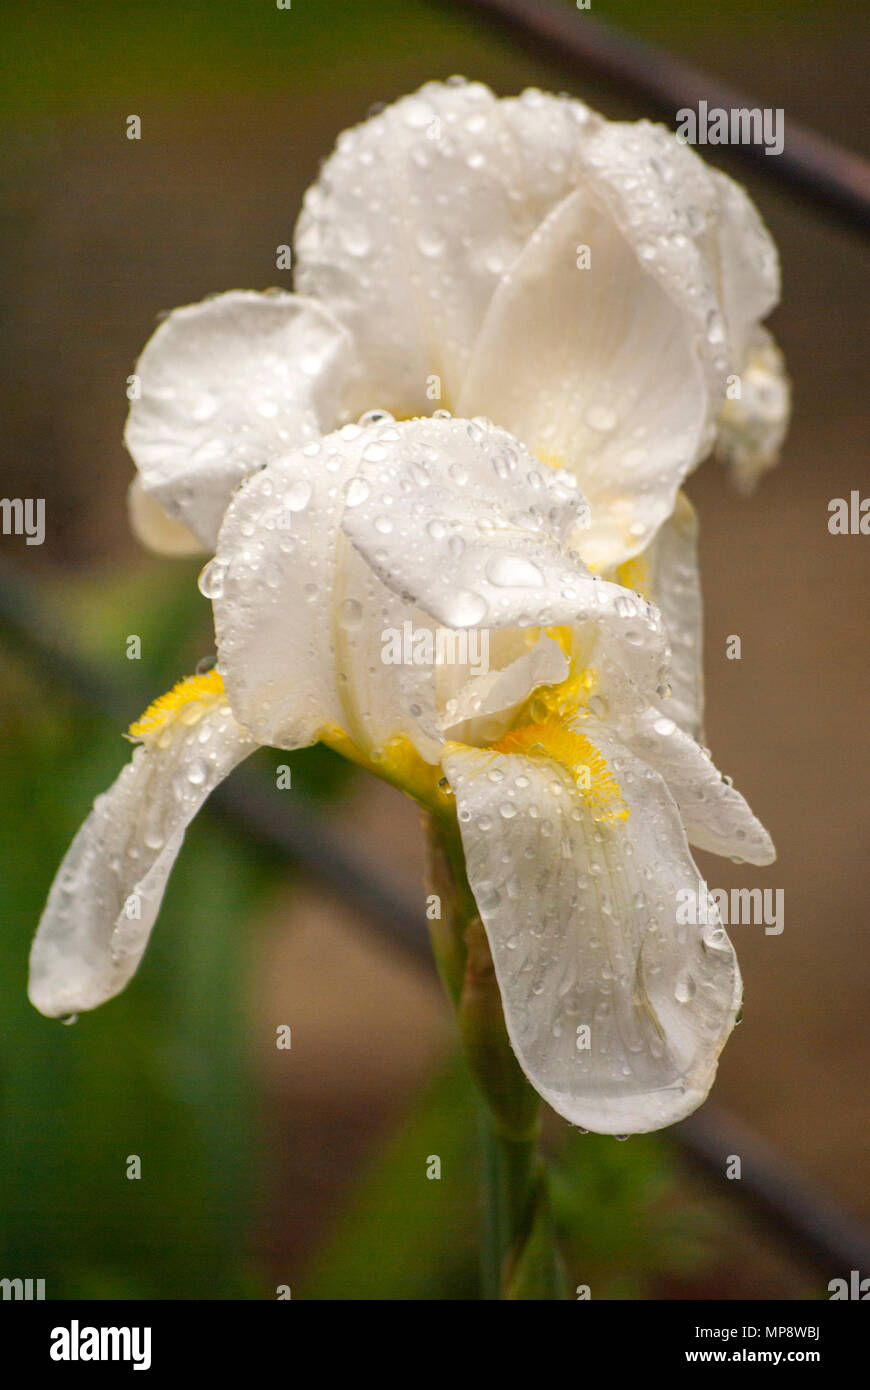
(568, 697)
(588, 767)
(398, 763)
(186, 692)
(634, 574)
(550, 460)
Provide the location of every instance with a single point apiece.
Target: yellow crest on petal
(188, 692)
(588, 767)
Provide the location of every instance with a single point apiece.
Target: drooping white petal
(155, 529)
(595, 370)
(108, 890)
(584, 924)
(714, 813)
(670, 578)
(415, 217)
(225, 385)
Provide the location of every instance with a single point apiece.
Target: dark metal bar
(810, 164)
(796, 1210)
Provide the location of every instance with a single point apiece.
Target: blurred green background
(307, 1168)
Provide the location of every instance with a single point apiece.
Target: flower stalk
(520, 1258)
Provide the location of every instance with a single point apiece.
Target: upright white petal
(155, 528)
(581, 910)
(596, 371)
(108, 890)
(425, 212)
(747, 260)
(416, 216)
(702, 236)
(225, 385)
(753, 422)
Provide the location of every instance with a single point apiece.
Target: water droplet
(375, 417)
(715, 327)
(487, 896)
(68, 1020)
(356, 492)
(513, 571)
(211, 579)
(355, 239)
(197, 772)
(351, 613)
(298, 495)
(466, 608)
(430, 242)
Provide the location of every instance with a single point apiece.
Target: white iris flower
(441, 268)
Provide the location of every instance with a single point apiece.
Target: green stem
(519, 1254)
(508, 1171)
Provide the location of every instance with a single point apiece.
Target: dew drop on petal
(466, 608)
(211, 579)
(375, 417)
(664, 727)
(351, 613)
(356, 492)
(487, 896)
(297, 497)
(513, 571)
(715, 327)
